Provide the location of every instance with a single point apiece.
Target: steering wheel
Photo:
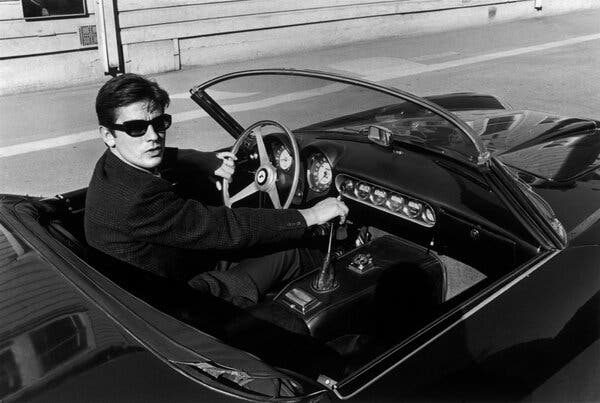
(265, 177)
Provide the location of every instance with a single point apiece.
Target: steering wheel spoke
(274, 196)
(245, 192)
(262, 150)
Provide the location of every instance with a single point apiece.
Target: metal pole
(101, 28)
(108, 44)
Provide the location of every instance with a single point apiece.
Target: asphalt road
(49, 142)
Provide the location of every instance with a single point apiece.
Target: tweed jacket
(148, 221)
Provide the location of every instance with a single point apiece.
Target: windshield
(326, 104)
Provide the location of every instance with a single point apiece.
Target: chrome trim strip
(468, 314)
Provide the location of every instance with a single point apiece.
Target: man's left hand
(227, 168)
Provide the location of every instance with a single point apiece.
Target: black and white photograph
(300, 201)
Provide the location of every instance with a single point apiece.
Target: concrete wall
(208, 32)
(44, 53)
(409, 18)
(164, 35)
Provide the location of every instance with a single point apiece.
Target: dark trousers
(245, 281)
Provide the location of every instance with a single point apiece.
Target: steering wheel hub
(265, 178)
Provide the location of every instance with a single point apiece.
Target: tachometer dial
(319, 173)
(283, 158)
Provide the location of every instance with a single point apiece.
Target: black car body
(469, 269)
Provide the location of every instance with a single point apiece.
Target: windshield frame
(200, 96)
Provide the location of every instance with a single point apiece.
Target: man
(138, 211)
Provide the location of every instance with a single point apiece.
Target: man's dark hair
(125, 90)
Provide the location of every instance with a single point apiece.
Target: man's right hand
(227, 168)
(324, 211)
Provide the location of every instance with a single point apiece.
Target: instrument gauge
(395, 203)
(348, 186)
(319, 173)
(378, 196)
(413, 209)
(429, 215)
(389, 201)
(283, 158)
(362, 191)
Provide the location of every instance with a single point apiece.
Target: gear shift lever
(325, 279)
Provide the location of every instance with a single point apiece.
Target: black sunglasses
(137, 128)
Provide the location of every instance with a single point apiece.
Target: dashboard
(319, 178)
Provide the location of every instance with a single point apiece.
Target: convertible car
(468, 268)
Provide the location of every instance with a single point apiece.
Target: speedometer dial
(283, 158)
(319, 173)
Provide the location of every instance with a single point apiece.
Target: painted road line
(433, 56)
(218, 95)
(45, 144)
(382, 72)
(423, 68)
(39, 145)
(68, 139)
(373, 67)
(280, 99)
(181, 95)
